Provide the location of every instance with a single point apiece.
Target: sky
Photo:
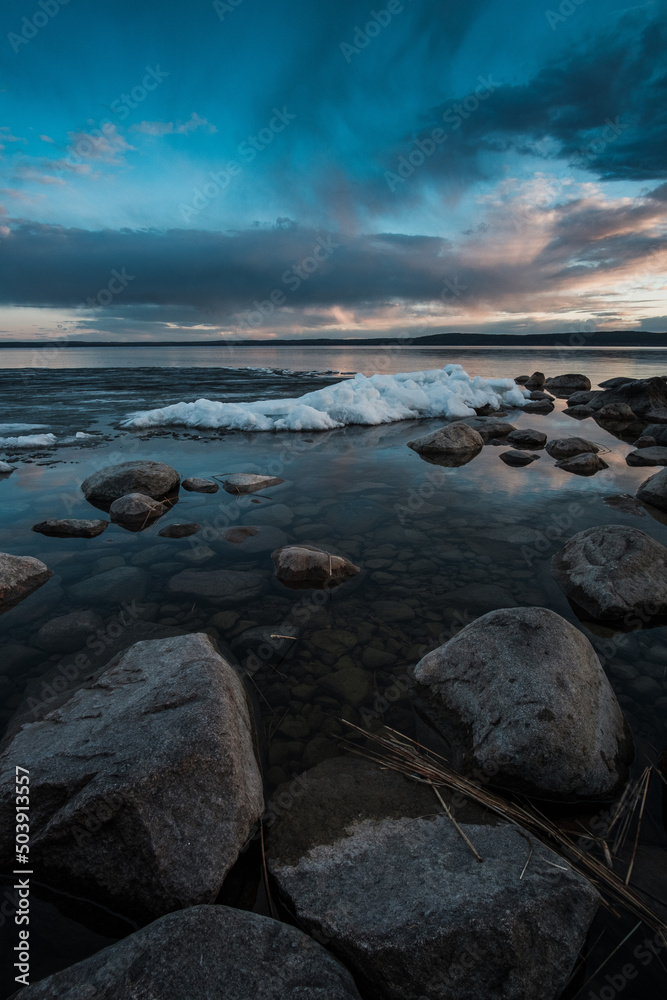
(323, 168)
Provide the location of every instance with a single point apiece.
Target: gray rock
(658, 415)
(581, 398)
(564, 386)
(249, 482)
(136, 511)
(579, 412)
(124, 583)
(226, 586)
(585, 464)
(71, 527)
(536, 381)
(144, 785)
(614, 383)
(656, 455)
(153, 479)
(653, 490)
(453, 438)
(521, 695)
(309, 566)
(526, 437)
(19, 577)
(614, 572)
(537, 406)
(179, 530)
(640, 396)
(68, 632)
(656, 431)
(517, 458)
(570, 446)
(645, 441)
(194, 485)
(488, 429)
(616, 411)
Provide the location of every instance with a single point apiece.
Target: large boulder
(614, 572)
(640, 396)
(144, 784)
(308, 566)
(520, 693)
(222, 586)
(136, 511)
(564, 386)
(452, 439)
(153, 479)
(368, 863)
(652, 455)
(19, 577)
(207, 953)
(71, 527)
(653, 490)
(570, 446)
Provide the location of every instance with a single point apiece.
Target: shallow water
(426, 538)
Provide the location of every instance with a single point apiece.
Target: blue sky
(480, 166)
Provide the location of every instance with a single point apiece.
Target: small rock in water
(253, 538)
(656, 455)
(194, 485)
(306, 565)
(225, 586)
(518, 458)
(570, 446)
(536, 381)
(645, 441)
(527, 438)
(564, 385)
(579, 412)
(136, 511)
(71, 527)
(124, 583)
(451, 439)
(153, 479)
(240, 534)
(625, 503)
(653, 490)
(248, 482)
(19, 577)
(537, 406)
(585, 464)
(178, 530)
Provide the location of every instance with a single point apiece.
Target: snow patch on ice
(380, 399)
(28, 441)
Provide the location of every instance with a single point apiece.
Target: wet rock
(536, 381)
(451, 439)
(517, 458)
(67, 633)
(521, 379)
(656, 455)
(489, 429)
(614, 383)
(194, 485)
(247, 957)
(125, 583)
(538, 394)
(479, 598)
(581, 398)
(179, 530)
(616, 411)
(527, 438)
(351, 684)
(645, 441)
(564, 385)
(249, 482)
(537, 406)
(653, 490)
(586, 464)
(71, 527)
(153, 479)
(571, 446)
(226, 586)
(521, 695)
(640, 396)
(614, 572)
(136, 511)
(19, 577)
(579, 412)
(307, 565)
(144, 784)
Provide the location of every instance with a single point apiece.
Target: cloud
(193, 124)
(6, 136)
(105, 145)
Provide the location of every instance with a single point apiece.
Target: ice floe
(28, 441)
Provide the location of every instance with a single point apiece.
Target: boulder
(645, 441)
(537, 406)
(179, 530)
(614, 383)
(124, 583)
(520, 694)
(579, 412)
(367, 862)
(640, 396)
(526, 438)
(517, 458)
(19, 577)
(581, 398)
(68, 632)
(136, 511)
(616, 412)
(308, 566)
(223, 586)
(153, 479)
(614, 572)
(71, 527)
(144, 784)
(248, 482)
(654, 490)
(207, 953)
(571, 446)
(451, 439)
(564, 385)
(585, 464)
(656, 416)
(656, 455)
(490, 429)
(194, 485)
(657, 431)
(536, 381)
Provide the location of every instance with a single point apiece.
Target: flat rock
(517, 458)
(306, 565)
(153, 479)
(144, 785)
(124, 583)
(71, 527)
(645, 441)
(520, 694)
(527, 438)
(656, 455)
(570, 446)
(244, 956)
(614, 572)
(67, 633)
(585, 464)
(136, 511)
(179, 530)
(194, 485)
(227, 586)
(653, 490)
(453, 438)
(19, 577)
(564, 385)
(249, 482)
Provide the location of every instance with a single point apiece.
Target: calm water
(427, 539)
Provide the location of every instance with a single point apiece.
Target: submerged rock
(650, 455)
(153, 479)
(136, 511)
(71, 527)
(19, 577)
(68, 632)
(585, 464)
(526, 437)
(653, 490)
(194, 485)
(248, 482)
(564, 385)
(255, 538)
(451, 439)
(124, 583)
(517, 458)
(178, 530)
(227, 586)
(521, 696)
(614, 572)
(144, 784)
(571, 446)
(306, 565)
